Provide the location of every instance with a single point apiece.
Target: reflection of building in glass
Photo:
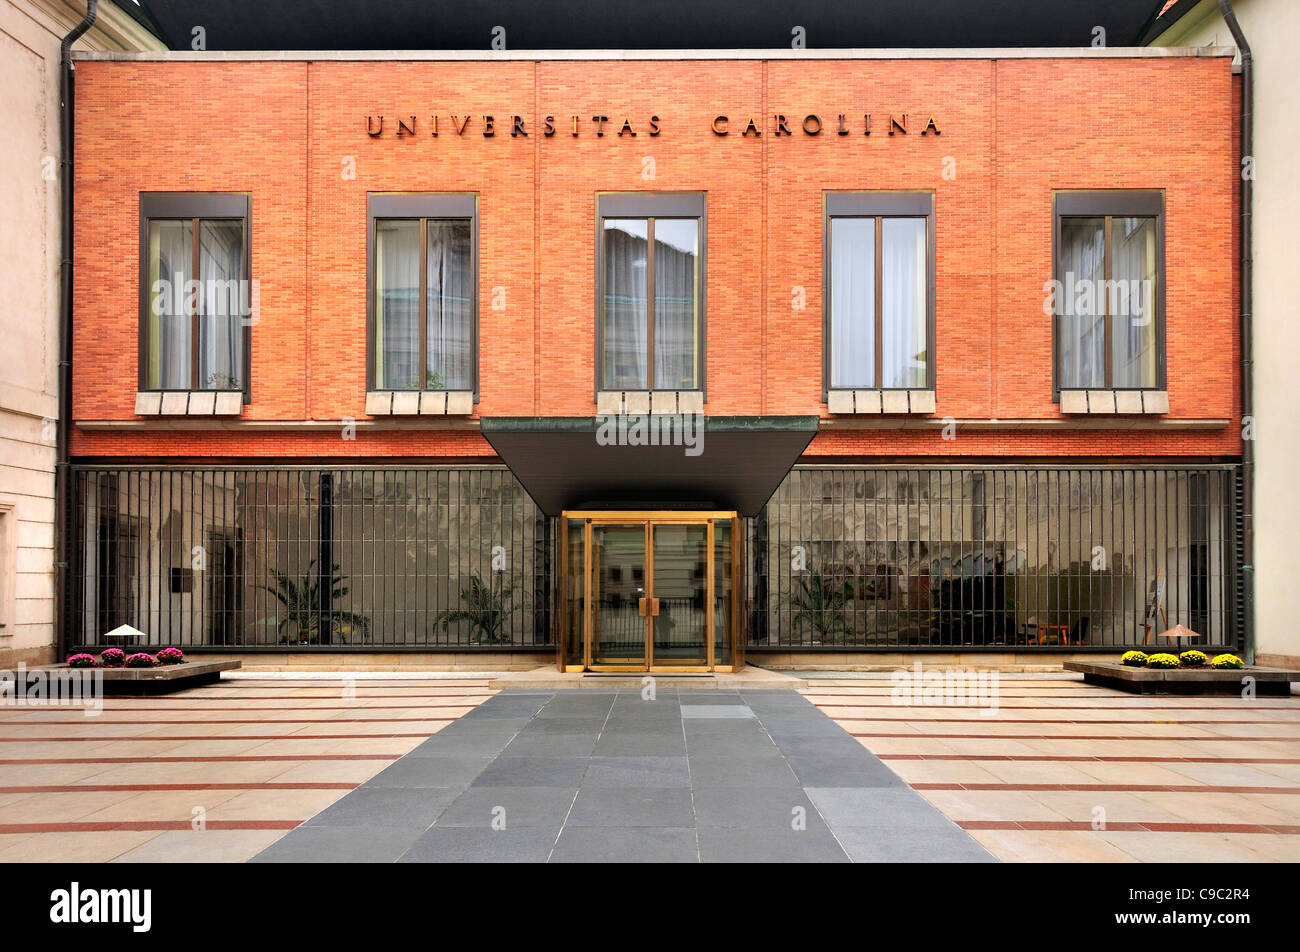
(996, 556)
(895, 557)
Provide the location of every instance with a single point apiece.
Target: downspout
(1247, 326)
(62, 474)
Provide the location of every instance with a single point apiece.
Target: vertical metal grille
(353, 558)
(842, 558)
(999, 556)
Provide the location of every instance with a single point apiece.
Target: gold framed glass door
(679, 626)
(620, 596)
(649, 591)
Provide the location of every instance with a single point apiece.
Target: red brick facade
(1013, 130)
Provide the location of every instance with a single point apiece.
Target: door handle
(647, 606)
(654, 606)
(642, 607)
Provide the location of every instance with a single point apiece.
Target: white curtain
(450, 297)
(1133, 270)
(903, 303)
(676, 303)
(171, 264)
(624, 359)
(221, 308)
(853, 302)
(1081, 305)
(397, 304)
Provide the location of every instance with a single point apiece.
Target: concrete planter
(164, 679)
(1269, 682)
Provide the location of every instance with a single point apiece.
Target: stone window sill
(419, 403)
(879, 402)
(1114, 402)
(201, 403)
(620, 402)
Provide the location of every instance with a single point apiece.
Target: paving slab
(626, 845)
(607, 776)
(511, 807)
(448, 844)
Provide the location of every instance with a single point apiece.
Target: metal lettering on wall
(779, 125)
(520, 126)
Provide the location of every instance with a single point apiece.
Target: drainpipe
(1247, 305)
(62, 485)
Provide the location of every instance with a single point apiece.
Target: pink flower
(112, 657)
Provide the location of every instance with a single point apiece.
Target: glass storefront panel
(1013, 556)
(723, 595)
(574, 593)
(849, 558)
(680, 591)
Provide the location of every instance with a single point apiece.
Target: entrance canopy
(648, 462)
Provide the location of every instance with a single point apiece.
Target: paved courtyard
(594, 776)
(447, 768)
(1062, 771)
(210, 774)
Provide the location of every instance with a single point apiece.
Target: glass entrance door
(648, 591)
(620, 599)
(680, 579)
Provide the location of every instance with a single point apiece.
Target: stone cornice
(114, 31)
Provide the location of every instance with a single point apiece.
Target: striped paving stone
(1061, 771)
(215, 773)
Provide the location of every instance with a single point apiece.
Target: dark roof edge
(141, 15)
(1160, 24)
(785, 423)
(456, 56)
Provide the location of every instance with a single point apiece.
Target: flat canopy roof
(585, 462)
(663, 24)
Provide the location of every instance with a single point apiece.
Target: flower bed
(1164, 673)
(142, 674)
(1227, 662)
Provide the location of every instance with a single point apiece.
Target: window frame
(8, 567)
(198, 207)
(652, 205)
(422, 207)
(1110, 204)
(878, 205)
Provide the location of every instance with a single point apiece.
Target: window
(8, 568)
(195, 294)
(650, 289)
(423, 292)
(1108, 290)
(879, 290)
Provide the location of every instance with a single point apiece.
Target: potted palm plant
(819, 602)
(303, 620)
(487, 608)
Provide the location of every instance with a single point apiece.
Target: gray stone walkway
(588, 776)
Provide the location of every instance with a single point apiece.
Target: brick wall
(1012, 132)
